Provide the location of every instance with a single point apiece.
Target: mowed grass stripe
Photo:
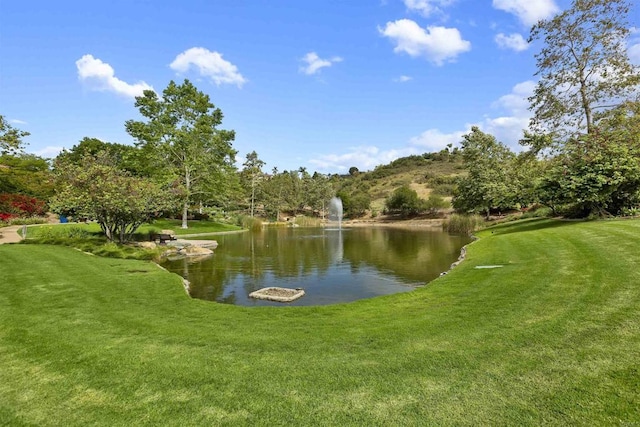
(550, 338)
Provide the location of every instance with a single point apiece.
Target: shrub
(462, 224)
(19, 205)
(251, 223)
(404, 200)
(28, 221)
(305, 221)
(434, 203)
(538, 212)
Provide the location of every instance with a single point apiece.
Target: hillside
(426, 174)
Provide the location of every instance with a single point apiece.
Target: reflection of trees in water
(246, 261)
(418, 256)
(206, 281)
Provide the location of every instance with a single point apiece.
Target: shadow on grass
(528, 225)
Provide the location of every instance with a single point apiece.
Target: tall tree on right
(583, 67)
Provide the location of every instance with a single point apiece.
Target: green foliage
(305, 221)
(488, 184)
(251, 176)
(26, 174)
(404, 201)
(434, 203)
(181, 135)
(538, 212)
(250, 223)
(598, 173)
(125, 157)
(355, 203)
(96, 189)
(48, 234)
(462, 224)
(583, 66)
(27, 221)
(10, 138)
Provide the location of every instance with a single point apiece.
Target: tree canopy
(95, 188)
(583, 67)
(181, 135)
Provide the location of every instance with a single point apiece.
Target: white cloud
(437, 44)
(633, 46)
(434, 140)
(101, 76)
(512, 118)
(363, 157)
(314, 63)
(515, 115)
(48, 152)
(516, 102)
(634, 53)
(18, 122)
(403, 79)
(528, 11)
(427, 7)
(208, 64)
(513, 41)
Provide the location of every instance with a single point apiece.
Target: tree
(10, 138)
(320, 192)
(403, 200)
(488, 183)
(26, 174)
(181, 133)
(273, 190)
(599, 173)
(583, 67)
(126, 157)
(253, 173)
(97, 189)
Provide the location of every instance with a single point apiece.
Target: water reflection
(330, 265)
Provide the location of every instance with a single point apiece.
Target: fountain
(335, 210)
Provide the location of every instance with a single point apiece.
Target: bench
(162, 238)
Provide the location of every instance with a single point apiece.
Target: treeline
(583, 146)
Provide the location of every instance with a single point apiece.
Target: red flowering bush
(19, 205)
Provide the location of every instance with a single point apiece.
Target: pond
(332, 266)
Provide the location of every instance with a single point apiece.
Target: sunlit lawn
(195, 227)
(551, 337)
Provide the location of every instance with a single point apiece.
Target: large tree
(96, 188)
(488, 184)
(583, 67)
(181, 133)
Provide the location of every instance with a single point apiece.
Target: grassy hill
(426, 174)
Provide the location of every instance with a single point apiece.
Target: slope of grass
(195, 227)
(551, 337)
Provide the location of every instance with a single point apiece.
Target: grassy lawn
(195, 227)
(552, 337)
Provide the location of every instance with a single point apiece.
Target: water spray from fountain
(335, 210)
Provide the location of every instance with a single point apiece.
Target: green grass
(551, 338)
(195, 227)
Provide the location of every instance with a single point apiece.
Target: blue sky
(322, 84)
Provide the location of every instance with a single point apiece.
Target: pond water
(331, 265)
